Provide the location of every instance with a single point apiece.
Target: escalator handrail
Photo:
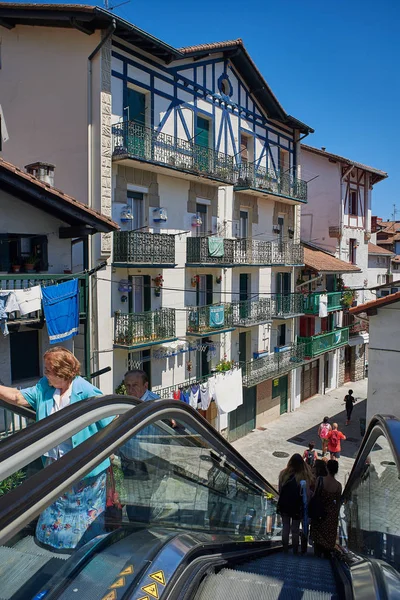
(21, 411)
(19, 441)
(25, 502)
(386, 425)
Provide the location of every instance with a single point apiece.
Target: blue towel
(216, 246)
(217, 316)
(61, 310)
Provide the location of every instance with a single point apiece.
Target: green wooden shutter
(136, 103)
(4, 252)
(202, 132)
(147, 292)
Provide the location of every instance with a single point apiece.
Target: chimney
(323, 148)
(42, 171)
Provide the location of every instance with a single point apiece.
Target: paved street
(292, 432)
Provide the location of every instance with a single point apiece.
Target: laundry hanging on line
(61, 310)
(29, 299)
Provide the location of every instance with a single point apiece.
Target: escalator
(198, 521)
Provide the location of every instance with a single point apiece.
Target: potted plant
(218, 279)
(16, 265)
(224, 365)
(158, 281)
(348, 298)
(30, 263)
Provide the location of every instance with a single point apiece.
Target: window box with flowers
(224, 365)
(158, 283)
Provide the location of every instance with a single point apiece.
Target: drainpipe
(92, 300)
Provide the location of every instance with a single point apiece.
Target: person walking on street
(334, 438)
(324, 530)
(310, 456)
(323, 431)
(349, 401)
(294, 491)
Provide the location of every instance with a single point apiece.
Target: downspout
(92, 299)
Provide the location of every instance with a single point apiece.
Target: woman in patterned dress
(324, 532)
(62, 525)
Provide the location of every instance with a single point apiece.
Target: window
(353, 251)
(135, 203)
(353, 204)
(281, 225)
(24, 344)
(281, 340)
(244, 224)
(201, 211)
(284, 162)
(18, 248)
(204, 290)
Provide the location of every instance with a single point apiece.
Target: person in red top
(334, 438)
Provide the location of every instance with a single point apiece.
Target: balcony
(136, 330)
(319, 344)
(132, 140)
(264, 253)
(243, 252)
(209, 320)
(356, 326)
(270, 181)
(21, 281)
(198, 252)
(311, 302)
(286, 306)
(142, 248)
(272, 365)
(252, 312)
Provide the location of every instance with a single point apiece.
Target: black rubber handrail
(21, 411)
(20, 505)
(386, 425)
(25, 437)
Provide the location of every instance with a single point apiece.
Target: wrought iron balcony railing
(311, 302)
(319, 344)
(205, 320)
(355, 325)
(12, 282)
(139, 329)
(285, 305)
(144, 248)
(271, 181)
(134, 140)
(198, 252)
(272, 365)
(244, 252)
(252, 312)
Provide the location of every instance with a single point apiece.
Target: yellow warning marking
(119, 583)
(127, 571)
(159, 577)
(151, 589)
(110, 596)
(144, 598)
(248, 538)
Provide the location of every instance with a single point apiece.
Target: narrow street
(292, 432)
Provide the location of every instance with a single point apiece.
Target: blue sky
(333, 65)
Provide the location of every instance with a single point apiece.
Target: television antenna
(108, 7)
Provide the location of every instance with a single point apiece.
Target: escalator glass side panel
(165, 476)
(370, 514)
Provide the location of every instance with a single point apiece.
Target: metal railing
(318, 344)
(12, 282)
(311, 302)
(139, 328)
(10, 423)
(273, 365)
(210, 318)
(252, 312)
(140, 247)
(166, 392)
(271, 181)
(245, 252)
(284, 305)
(134, 140)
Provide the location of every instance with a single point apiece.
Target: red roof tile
(373, 249)
(322, 261)
(373, 304)
(211, 46)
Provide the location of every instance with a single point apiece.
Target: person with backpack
(294, 491)
(310, 456)
(323, 431)
(334, 438)
(349, 401)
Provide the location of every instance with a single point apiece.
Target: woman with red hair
(62, 525)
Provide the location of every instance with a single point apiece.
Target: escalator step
(28, 545)
(16, 567)
(238, 585)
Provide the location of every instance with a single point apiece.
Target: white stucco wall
(384, 362)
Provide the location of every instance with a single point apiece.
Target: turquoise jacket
(40, 397)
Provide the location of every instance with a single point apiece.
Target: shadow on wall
(351, 445)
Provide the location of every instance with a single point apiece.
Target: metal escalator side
(193, 480)
(369, 523)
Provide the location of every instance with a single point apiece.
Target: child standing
(310, 456)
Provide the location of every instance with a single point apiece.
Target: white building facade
(192, 155)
